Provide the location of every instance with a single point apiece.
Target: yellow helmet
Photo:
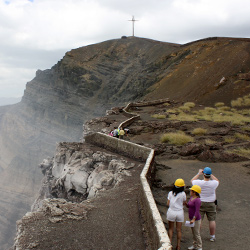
(179, 183)
(196, 188)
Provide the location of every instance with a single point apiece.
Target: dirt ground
(233, 202)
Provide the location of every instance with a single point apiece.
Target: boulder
(191, 149)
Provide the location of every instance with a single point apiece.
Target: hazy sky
(35, 34)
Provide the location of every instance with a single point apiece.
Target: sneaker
(192, 247)
(212, 238)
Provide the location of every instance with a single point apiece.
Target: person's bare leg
(178, 229)
(170, 230)
(212, 227)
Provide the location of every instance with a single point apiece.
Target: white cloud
(36, 34)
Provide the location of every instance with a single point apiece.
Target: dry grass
(241, 101)
(229, 139)
(184, 108)
(179, 138)
(210, 142)
(223, 108)
(245, 152)
(219, 104)
(173, 111)
(158, 116)
(199, 131)
(243, 137)
(246, 128)
(209, 110)
(189, 104)
(220, 114)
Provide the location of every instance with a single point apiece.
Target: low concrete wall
(122, 147)
(155, 227)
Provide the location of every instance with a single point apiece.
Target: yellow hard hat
(179, 183)
(196, 188)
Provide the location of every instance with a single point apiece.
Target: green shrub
(179, 138)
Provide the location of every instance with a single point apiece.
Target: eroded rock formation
(78, 172)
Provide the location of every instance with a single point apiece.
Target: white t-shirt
(176, 202)
(207, 189)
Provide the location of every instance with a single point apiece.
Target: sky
(35, 34)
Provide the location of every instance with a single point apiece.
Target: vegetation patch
(219, 104)
(179, 138)
(240, 151)
(229, 139)
(243, 137)
(199, 131)
(159, 116)
(189, 104)
(241, 101)
(210, 142)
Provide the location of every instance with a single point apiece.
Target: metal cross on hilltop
(133, 24)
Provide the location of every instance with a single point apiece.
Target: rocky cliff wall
(56, 103)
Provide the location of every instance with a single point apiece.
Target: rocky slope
(85, 83)
(205, 72)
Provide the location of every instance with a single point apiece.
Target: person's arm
(185, 203)
(197, 176)
(168, 202)
(197, 209)
(214, 178)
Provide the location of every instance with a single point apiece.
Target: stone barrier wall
(155, 227)
(122, 147)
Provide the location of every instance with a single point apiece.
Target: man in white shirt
(208, 197)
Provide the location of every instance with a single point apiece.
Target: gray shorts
(208, 208)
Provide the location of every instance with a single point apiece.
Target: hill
(205, 71)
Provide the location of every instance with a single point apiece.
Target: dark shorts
(208, 208)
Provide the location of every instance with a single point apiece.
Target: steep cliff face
(56, 103)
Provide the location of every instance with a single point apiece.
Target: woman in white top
(176, 199)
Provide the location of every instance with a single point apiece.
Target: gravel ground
(233, 202)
